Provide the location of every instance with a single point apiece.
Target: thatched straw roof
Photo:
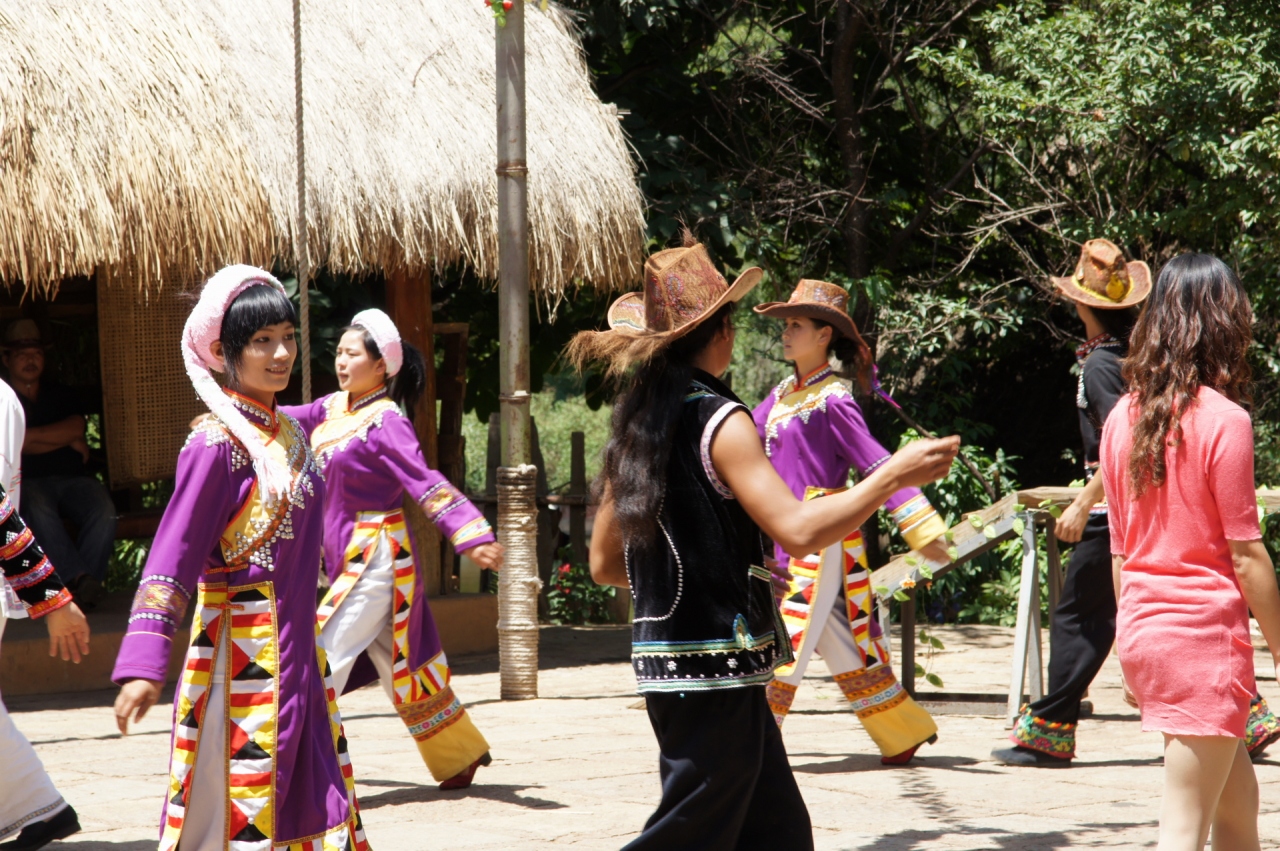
(159, 137)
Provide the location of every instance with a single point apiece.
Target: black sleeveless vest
(705, 615)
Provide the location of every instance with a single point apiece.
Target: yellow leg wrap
(780, 696)
(894, 721)
(447, 739)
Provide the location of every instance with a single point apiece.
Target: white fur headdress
(203, 328)
(385, 334)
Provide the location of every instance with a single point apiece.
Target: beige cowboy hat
(816, 300)
(1103, 279)
(23, 334)
(682, 287)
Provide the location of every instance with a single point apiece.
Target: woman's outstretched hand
(135, 698)
(488, 556)
(922, 462)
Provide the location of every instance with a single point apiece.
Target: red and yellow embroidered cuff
(470, 534)
(918, 522)
(59, 599)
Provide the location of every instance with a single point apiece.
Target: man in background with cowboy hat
(55, 483)
(1106, 289)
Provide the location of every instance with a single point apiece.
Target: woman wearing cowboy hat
(814, 434)
(686, 491)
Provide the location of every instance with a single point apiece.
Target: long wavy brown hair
(1195, 331)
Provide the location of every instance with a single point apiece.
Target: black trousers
(726, 782)
(1084, 625)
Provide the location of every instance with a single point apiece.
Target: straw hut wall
(158, 138)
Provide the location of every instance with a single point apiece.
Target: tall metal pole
(518, 582)
(301, 250)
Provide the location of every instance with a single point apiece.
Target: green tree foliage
(940, 159)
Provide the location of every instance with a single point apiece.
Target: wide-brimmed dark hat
(1104, 279)
(23, 334)
(682, 287)
(816, 300)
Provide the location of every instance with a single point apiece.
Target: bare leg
(1196, 769)
(1235, 823)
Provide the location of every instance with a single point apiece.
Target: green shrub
(574, 597)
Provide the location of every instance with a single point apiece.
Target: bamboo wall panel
(147, 400)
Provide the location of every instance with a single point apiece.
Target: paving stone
(578, 767)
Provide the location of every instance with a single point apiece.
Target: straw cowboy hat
(816, 300)
(682, 287)
(1104, 280)
(23, 334)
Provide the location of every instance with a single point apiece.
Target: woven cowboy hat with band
(816, 300)
(1103, 279)
(682, 287)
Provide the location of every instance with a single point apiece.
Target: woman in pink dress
(1187, 554)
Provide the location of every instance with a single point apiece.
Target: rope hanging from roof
(300, 247)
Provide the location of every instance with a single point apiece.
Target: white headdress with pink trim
(203, 328)
(385, 334)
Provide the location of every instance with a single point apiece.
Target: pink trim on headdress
(385, 334)
(203, 328)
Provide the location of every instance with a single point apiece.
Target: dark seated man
(55, 484)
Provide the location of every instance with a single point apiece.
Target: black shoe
(37, 835)
(1027, 757)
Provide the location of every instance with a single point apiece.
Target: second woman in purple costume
(814, 433)
(375, 620)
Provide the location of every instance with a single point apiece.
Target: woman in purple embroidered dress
(258, 755)
(814, 433)
(375, 619)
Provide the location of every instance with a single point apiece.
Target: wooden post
(1027, 596)
(908, 614)
(518, 583)
(1055, 564)
(409, 304)
(578, 490)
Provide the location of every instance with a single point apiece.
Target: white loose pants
(27, 794)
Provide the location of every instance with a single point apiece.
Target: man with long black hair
(685, 493)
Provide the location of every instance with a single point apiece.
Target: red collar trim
(256, 412)
(813, 378)
(368, 398)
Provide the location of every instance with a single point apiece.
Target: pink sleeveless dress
(1182, 629)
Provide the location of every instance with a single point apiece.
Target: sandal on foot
(463, 778)
(906, 756)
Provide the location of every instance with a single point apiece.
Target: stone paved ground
(577, 768)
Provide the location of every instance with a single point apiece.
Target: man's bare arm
(40, 439)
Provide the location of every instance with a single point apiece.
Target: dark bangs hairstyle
(1194, 331)
(406, 386)
(644, 420)
(254, 309)
(853, 356)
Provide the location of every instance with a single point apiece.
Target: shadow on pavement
(415, 793)
(871, 762)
